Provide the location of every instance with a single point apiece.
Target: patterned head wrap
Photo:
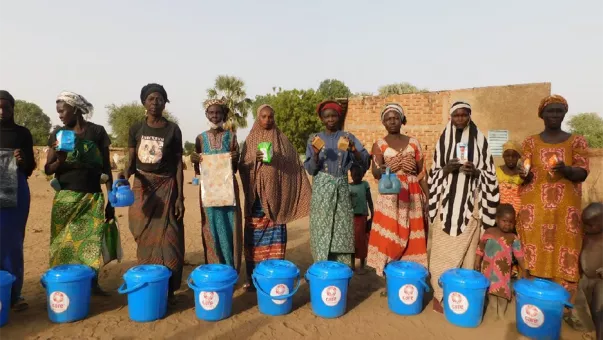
(460, 105)
(329, 105)
(395, 108)
(263, 107)
(512, 145)
(152, 88)
(552, 99)
(77, 101)
(7, 96)
(221, 102)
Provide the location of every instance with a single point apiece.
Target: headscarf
(221, 102)
(512, 145)
(7, 96)
(77, 101)
(454, 195)
(395, 108)
(552, 99)
(152, 88)
(460, 105)
(282, 185)
(329, 104)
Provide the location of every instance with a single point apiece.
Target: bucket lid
(278, 269)
(68, 273)
(147, 273)
(406, 269)
(210, 273)
(542, 289)
(6, 278)
(465, 277)
(327, 270)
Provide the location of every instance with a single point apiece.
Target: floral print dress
(498, 253)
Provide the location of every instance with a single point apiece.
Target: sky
(107, 50)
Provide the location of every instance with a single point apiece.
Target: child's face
(506, 222)
(511, 158)
(593, 225)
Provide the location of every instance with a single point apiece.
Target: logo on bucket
(209, 300)
(331, 296)
(532, 316)
(279, 290)
(59, 302)
(458, 303)
(408, 294)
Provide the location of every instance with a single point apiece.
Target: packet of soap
(266, 149)
(551, 163)
(318, 143)
(343, 143)
(527, 164)
(462, 152)
(66, 140)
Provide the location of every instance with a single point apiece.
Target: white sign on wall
(496, 139)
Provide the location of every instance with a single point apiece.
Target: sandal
(19, 305)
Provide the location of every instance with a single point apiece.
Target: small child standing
(591, 261)
(510, 175)
(362, 203)
(494, 258)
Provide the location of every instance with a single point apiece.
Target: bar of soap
(343, 144)
(318, 143)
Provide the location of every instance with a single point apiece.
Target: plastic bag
(111, 242)
(217, 182)
(9, 183)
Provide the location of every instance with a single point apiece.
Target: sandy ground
(368, 315)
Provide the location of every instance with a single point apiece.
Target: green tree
(232, 90)
(333, 89)
(589, 125)
(294, 112)
(122, 117)
(399, 88)
(32, 117)
(188, 148)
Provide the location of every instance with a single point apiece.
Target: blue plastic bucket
(6, 285)
(329, 282)
(275, 284)
(68, 292)
(213, 285)
(147, 289)
(464, 296)
(405, 287)
(539, 308)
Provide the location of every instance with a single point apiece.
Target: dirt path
(367, 317)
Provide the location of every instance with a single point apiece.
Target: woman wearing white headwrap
(78, 212)
(463, 195)
(398, 230)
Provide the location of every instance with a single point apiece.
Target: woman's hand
(563, 169)
(19, 157)
(452, 166)
(351, 145)
(179, 208)
(196, 158)
(259, 156)
(234, 155)
(109, 212)
(469, 169)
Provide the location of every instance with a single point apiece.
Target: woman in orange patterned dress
(398, 230)
(549, 219)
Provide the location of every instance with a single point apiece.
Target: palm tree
(232, 91)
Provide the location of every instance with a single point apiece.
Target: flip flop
(20, 305)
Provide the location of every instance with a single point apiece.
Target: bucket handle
(280, 297)
(124, 290)
(193, 286)
(422, 282)
(42, 282)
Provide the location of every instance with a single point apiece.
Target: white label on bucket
(331, 296)
(408, 294)
(279, 290)
(458, 303)
(532, 316)
(209, 300)
(58, 301)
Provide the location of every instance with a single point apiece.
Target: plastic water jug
(275, 284)
(389, 184)
(66, 140)
(147, 289)
(68, 289)
(121, 195)
(6, 284)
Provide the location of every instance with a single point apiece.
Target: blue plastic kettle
(389, 184)
(121, 195)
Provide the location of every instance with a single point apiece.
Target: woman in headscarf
(463, 196)
(398, 231)
(155, 160)
(16, 165)
(510, 175)
(78, 211)
(221, 227)
(549, 222)
(329, 156)
(276, 193)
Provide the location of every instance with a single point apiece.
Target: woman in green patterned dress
(78, 210)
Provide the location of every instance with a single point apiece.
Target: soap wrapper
(266, 149)
(66, 140)
(217, 181)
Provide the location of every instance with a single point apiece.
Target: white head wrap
(460, 105)
(77, 101)
(393, 107)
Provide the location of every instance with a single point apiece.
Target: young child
(591, 261)
(494, 257)
(510, 175)
(362, 203)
